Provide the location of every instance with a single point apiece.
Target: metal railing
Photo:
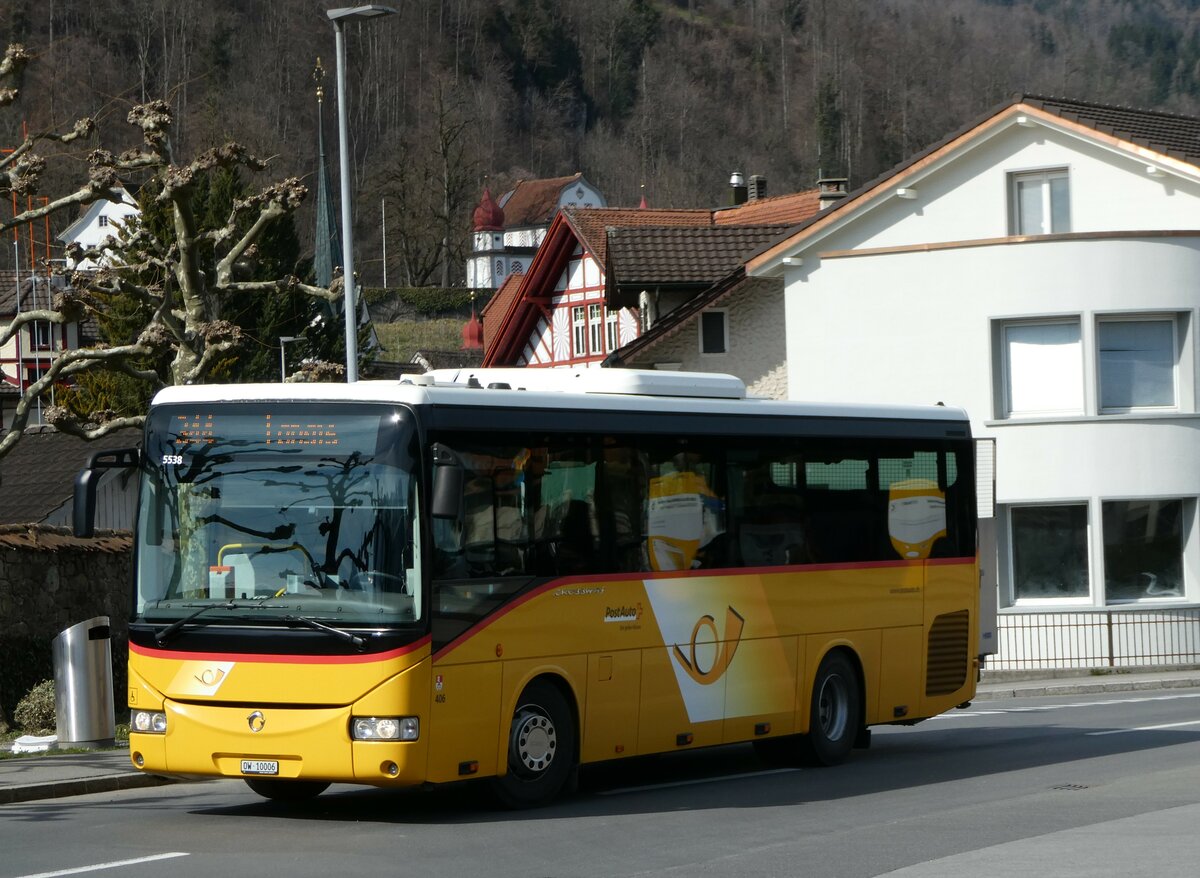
(1113, 638)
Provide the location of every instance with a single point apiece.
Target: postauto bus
(507, 574)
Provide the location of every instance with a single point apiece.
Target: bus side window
(625, 487)
(685, 511)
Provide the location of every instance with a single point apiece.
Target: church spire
(328, 241)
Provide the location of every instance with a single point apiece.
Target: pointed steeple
(327, 244)
(472, 331)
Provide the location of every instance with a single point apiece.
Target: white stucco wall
(756, 345)
(902, 302)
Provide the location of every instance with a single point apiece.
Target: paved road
(1092, 785)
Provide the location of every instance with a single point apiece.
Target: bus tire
(541, 748)
(836, 715)
(286, 790)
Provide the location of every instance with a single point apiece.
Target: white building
(98, 224)
(507, 233)
(1041, 268)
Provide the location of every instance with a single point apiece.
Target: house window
(1040, 203)
(1137, 363)
(714, 332)
(1143, 549)
(579, 325)
(43, 335)
(1049, 552)
(1042, 368)
(102, 220)
(596, 329)
(612, 330)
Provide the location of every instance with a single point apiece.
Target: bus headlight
(385, 728)
(148, 722)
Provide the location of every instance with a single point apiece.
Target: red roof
(781, 210)
(534, 202)
(498, 306)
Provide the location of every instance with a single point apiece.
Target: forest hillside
(446, 96)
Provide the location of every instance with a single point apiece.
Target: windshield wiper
(166, 633)
(359, 642)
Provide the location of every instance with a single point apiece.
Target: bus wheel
(286, 790)
(836, 714)
(541, 748)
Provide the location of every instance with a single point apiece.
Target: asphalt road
(1095, 786)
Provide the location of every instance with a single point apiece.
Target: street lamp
(337, 16)
(283, 340)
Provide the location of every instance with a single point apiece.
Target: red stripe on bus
(568, 581)
(151, 652)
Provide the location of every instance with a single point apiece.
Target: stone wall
(50, 581)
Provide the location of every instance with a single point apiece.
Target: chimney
(758, 187)
(831, 190)
(737, 189)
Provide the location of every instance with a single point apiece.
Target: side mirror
(447, 484)
(84, 513)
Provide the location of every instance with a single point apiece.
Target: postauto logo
(725, 647)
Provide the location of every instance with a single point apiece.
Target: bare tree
(170, 273)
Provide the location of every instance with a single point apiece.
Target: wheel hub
(535, 741)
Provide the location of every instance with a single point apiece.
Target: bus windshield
(279, 510)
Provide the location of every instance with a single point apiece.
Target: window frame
(579, 330)
(1045, 177)
(1175, 356)
(1004, 363)
(724, 315)
(1017, 600)
(595, 318)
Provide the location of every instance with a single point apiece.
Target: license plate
(260, 766)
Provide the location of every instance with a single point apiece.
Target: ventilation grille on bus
(946, 668)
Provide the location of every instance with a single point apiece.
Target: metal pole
(347, 240)
(383, 235)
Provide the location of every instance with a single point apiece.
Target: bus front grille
(947, 661)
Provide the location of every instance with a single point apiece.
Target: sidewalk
(51, 775)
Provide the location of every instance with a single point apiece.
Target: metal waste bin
(83, 685)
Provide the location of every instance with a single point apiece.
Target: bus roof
(624, 390)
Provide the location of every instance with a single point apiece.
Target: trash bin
(83, 687)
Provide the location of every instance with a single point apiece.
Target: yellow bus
(508, 574)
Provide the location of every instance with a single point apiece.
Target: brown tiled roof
(733, 284)
(38, 475)
(780, 210)
(592, 223)
(685, 256)
(498, 306)
(1167, 133)
(534, 202)
(49, 538)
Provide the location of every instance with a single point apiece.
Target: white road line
(1195, 722)
(684, 783)
(113, 865)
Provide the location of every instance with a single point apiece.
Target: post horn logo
(726, 647)
(256, 721)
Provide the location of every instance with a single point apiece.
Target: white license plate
(260, 766)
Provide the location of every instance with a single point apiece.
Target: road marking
(1195, 722)
(687, 783)
(113, 865)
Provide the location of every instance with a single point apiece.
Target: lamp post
(283, 340)
(338, 16)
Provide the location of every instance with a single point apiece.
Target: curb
(1091, 686)
(79, 787)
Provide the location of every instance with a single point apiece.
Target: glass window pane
(1044, 368)
(1143, 549)
(1029, 207)
(1060, 205)
(1137, 363)
(712, 329)
(1049, 545)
